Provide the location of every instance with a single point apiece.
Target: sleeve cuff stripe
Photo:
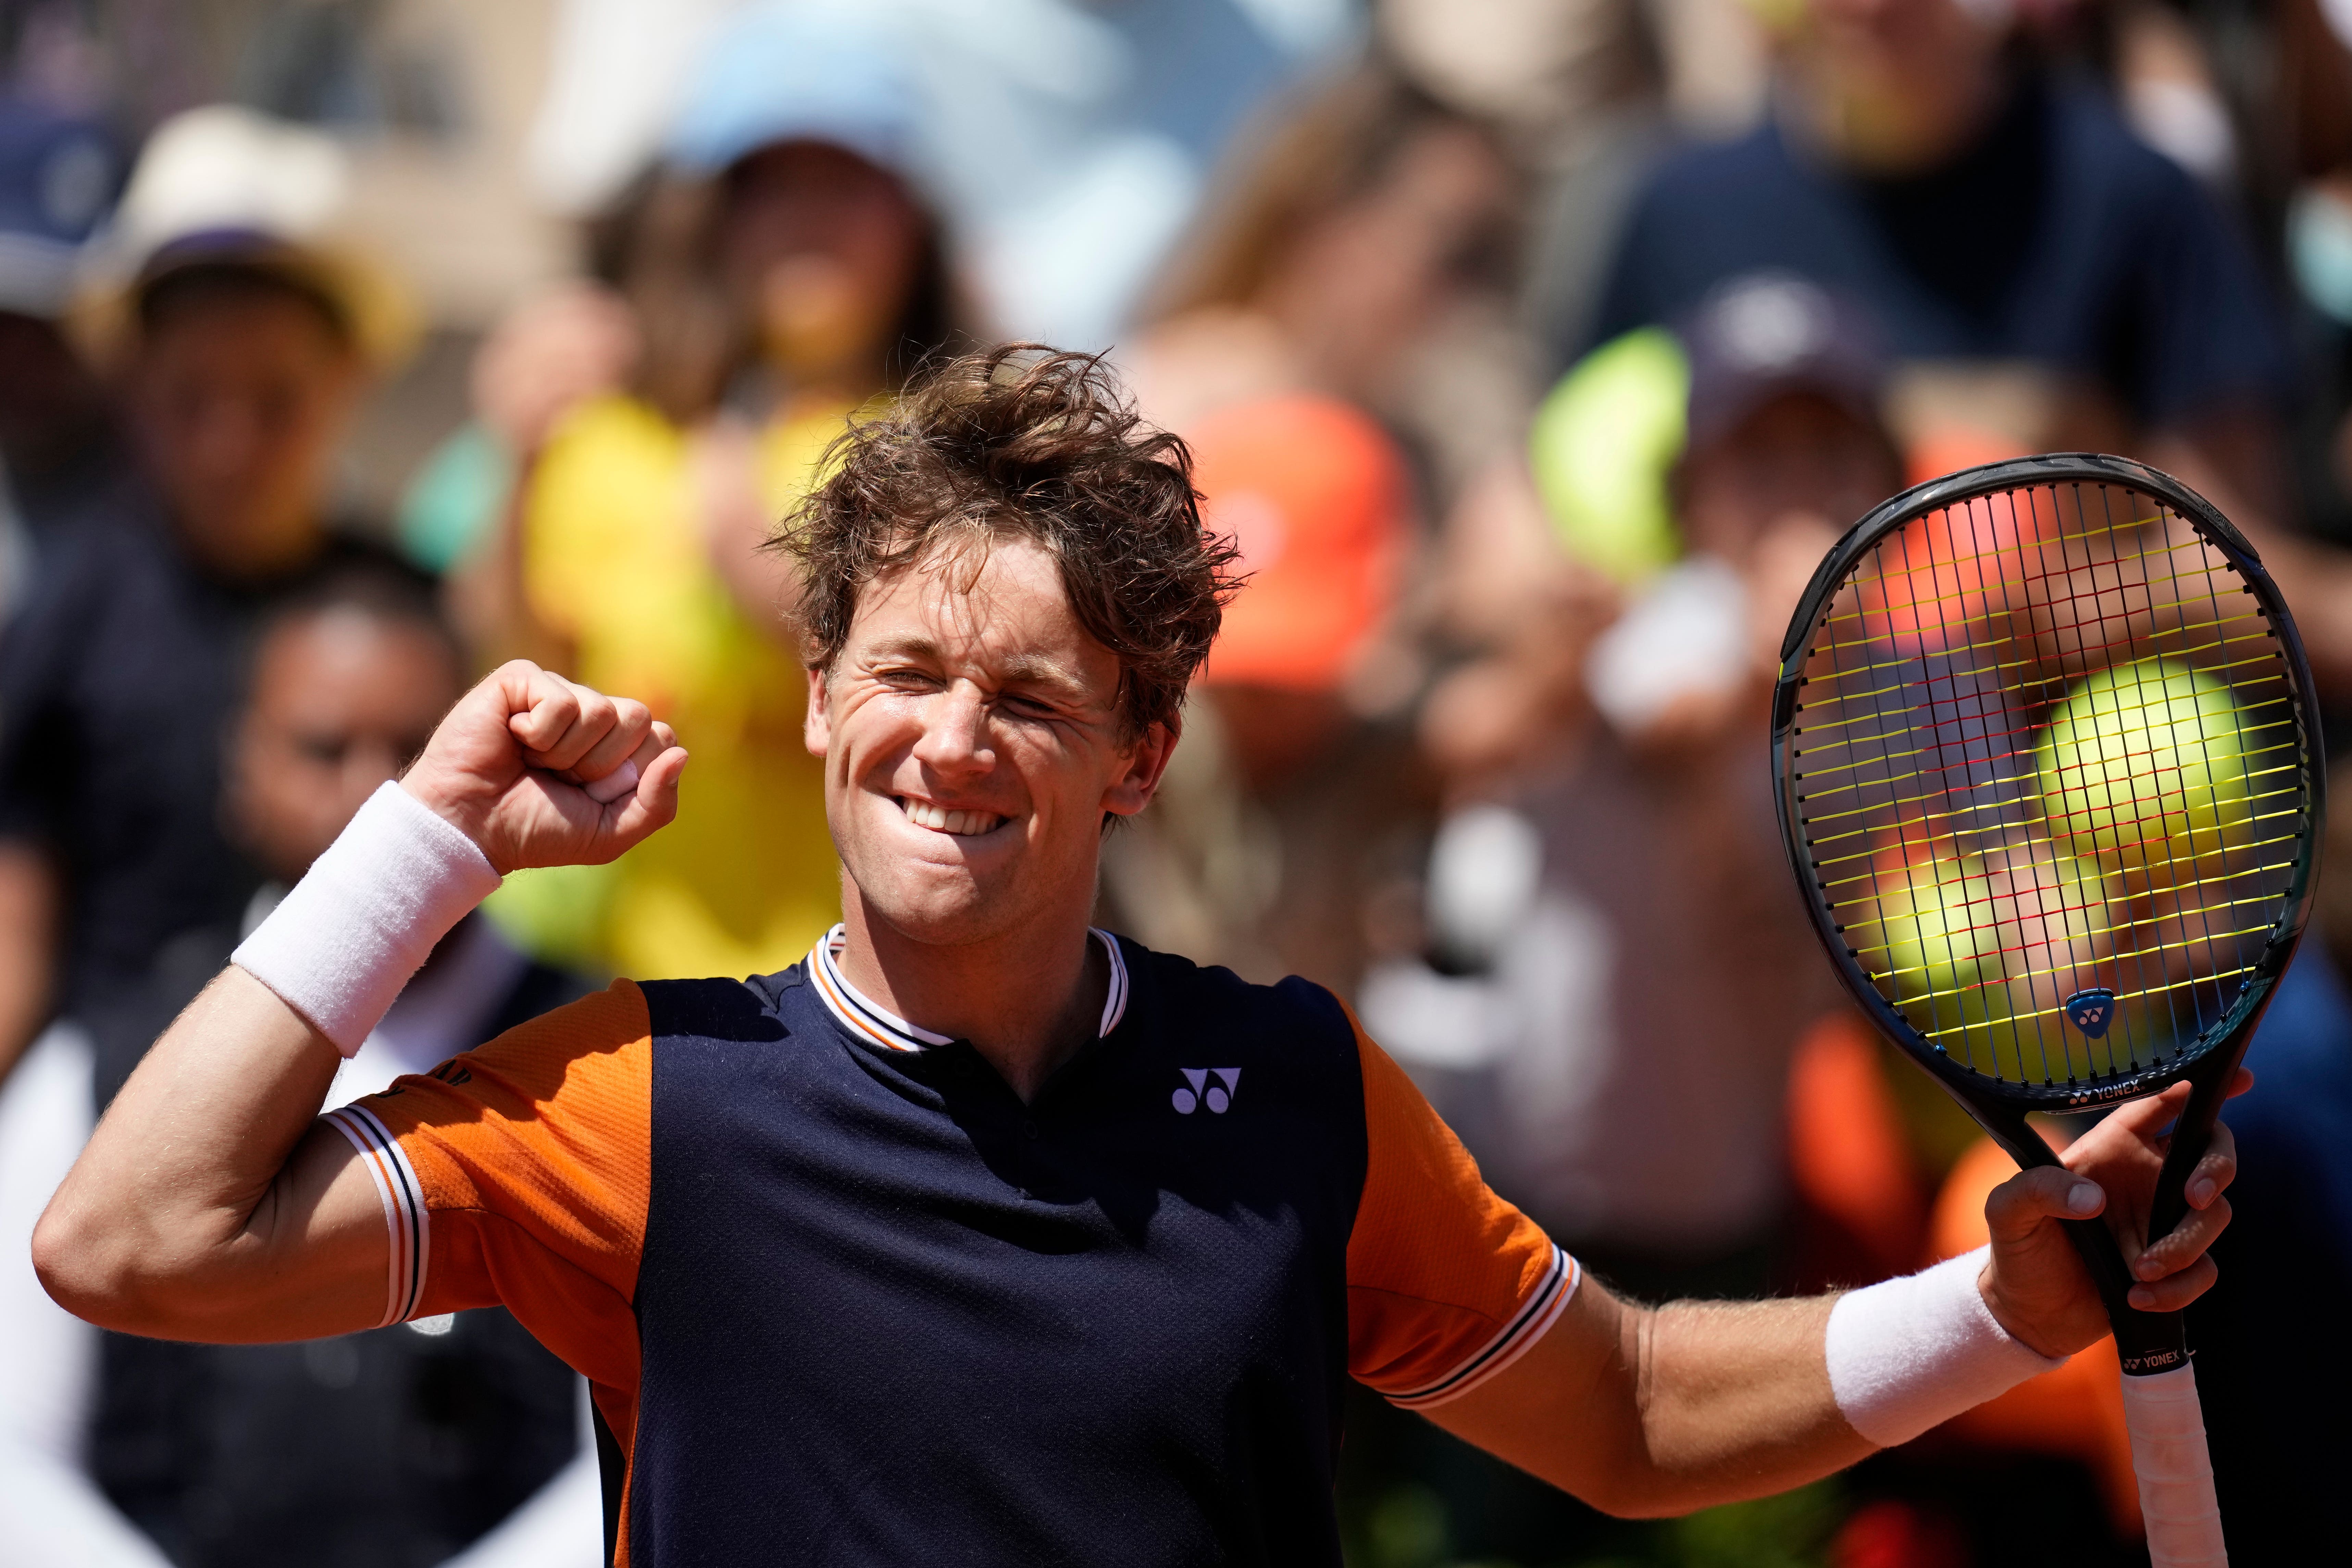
(406, 1217)
(1542, 1309)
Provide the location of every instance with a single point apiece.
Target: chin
(936, 915)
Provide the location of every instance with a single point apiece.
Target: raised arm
(1649, 1411)
(211, 1203)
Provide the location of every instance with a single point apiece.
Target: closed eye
(1026, 707)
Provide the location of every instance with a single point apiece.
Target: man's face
(239, 403)
(1890, 85)
(824, 245)
(970, 729)
(341, 701)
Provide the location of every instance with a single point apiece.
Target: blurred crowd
(1533, 352)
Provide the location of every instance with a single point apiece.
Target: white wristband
(344, 942)
(1911, 1353)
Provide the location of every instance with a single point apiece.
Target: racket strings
(2022, 728)
(1996, 926)
(1959, 597)
(2044, 753)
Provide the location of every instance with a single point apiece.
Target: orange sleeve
(1447, 1284)
(520, 1174)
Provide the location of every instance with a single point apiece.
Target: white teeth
(964, 824)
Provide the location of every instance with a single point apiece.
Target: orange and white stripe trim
(404, 1213)
(877, 1027)
(1537, 1314)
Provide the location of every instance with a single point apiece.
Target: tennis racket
(2047, 762)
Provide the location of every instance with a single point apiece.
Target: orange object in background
(1314, 491)
(1863, 1206)
(1947, 448)
(2075, 1412)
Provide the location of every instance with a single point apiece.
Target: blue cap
(787, 72)
(59, 175)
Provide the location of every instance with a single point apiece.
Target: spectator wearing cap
(1261, 851)
(1641, 1135)
(241, 334)
(59, 176)
(786, 272)
(1618, 991)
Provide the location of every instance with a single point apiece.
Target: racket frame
(2147, 1342)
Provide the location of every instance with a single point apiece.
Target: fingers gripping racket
(2047, 763)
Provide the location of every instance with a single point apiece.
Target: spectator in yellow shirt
(783, 274)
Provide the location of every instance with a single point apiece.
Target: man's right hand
(509, 762)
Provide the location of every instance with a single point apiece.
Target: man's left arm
(1650, 1411)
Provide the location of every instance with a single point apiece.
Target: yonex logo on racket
(1218, 1097)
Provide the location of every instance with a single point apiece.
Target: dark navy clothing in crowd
(2058, 239)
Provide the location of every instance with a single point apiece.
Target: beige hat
(226, 184)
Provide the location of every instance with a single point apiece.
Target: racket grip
(2176, 1472)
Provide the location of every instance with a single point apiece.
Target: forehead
(993, 606)
(320, 658)
(240, 328)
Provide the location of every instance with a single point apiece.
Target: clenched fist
(534, 769)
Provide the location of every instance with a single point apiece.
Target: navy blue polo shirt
(844, 1298)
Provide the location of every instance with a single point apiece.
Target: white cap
(224, 184)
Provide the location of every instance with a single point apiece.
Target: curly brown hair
(1032, 443)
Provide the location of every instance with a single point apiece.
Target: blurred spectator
(1338, 244)
(1267, 841)
(59, 176)
(2045, 278)
(400, 1445)
(570, 343)
(2315, 194)
(1985, 212)
(1341, 243)
(1585, 94)
(1619, 982)
(1630, 1120)
(785, 271)
(241, 335)
(1067, 141)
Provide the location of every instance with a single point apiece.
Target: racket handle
(2176, 1473)
(2193, 1134)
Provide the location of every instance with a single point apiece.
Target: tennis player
(977, 1235)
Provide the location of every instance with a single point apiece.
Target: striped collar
(867, 1021)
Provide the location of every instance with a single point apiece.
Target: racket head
(2046, 754)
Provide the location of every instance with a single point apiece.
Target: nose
(955, 739)
(223, 437)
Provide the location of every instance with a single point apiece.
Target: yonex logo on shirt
(1218, 1097)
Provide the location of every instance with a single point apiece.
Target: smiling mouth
(939, 819)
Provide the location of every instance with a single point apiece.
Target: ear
(1147, 764)
(816, 728)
